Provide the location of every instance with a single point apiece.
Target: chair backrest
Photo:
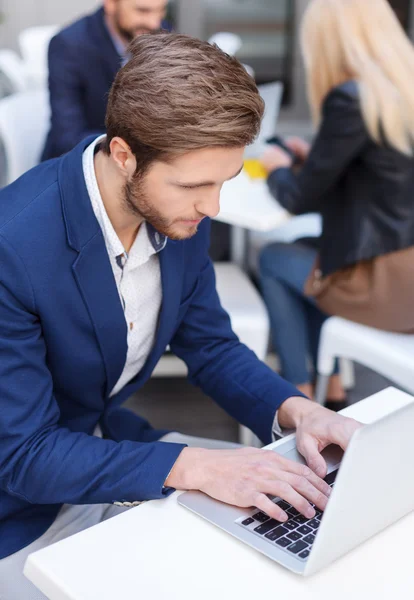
(230, 43)
(24, 123)
(227, 41)
(34, 44)
(12, 67)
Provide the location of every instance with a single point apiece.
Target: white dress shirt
(136, 273)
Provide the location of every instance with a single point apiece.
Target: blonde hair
(364, 41)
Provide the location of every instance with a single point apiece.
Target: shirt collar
(148, 241)
(120, 46)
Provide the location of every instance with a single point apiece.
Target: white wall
(20, 14)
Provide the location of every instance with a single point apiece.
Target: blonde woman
(359, 174)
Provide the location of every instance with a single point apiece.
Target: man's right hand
(247, 476)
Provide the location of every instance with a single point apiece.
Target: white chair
(34, 45)
(229, 43)
(389, 354)
(249, 320)
(24, 122)
(12, 67)
(226, 41)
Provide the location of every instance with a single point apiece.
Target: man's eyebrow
(204, 183)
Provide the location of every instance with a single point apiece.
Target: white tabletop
(247, 203)
(160, 550)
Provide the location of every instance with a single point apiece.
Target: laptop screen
(272, 96)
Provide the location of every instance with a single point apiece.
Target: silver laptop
(272, 95)
(372, 486)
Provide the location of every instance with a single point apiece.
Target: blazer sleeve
(42, 461)
(341, 137)
(224, 368)
(69, 124)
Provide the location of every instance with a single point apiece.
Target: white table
(160, 550)
(247, 204)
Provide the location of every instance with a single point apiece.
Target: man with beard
(104, 256)
(83, 61)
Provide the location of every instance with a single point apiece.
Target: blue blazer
(63, 347)
(83, 62)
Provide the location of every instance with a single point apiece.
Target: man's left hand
(316, 428)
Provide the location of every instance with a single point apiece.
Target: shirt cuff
(276, 428)
(277, 431)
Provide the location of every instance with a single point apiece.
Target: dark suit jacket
(63, 347)
(83, 62)
(363, 190)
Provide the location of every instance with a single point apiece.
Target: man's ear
(123, 157)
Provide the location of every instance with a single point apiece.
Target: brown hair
(178, 94)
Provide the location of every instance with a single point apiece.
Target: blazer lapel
(96, 282)
(104, 45)
(171, 264)
(92, 268)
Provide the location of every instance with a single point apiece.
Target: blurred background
(268, 29)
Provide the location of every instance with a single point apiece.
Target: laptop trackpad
(332, 454)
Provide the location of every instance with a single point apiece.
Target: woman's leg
(284, 269)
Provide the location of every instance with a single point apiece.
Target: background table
(257, 219)
(247, 204)
(160, 550)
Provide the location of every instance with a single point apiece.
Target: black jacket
(364, 191)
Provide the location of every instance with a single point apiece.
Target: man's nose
(209, 205)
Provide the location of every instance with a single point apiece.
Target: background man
(83, 61)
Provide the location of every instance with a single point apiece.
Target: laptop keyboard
(295, 535)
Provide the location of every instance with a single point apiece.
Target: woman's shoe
(336, 405)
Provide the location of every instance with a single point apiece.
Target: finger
(291, 144)
(341, 432)
(292, 139)
(298, 469)
(263, 503)
(280, 462)
(315, 480)
(318, 482)
(271, 152)
(284, 490)
(308, 490)
(308, 447)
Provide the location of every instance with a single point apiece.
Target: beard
(130, 34)
(136, 201)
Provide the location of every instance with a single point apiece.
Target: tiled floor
(173, 403)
